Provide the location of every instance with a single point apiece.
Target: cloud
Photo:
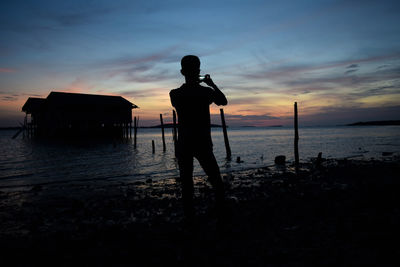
(47, 25)
(6, 70)
(246, 120)
(250, 100)
(337, 83)
(251, 117)
(142, 69)
(289, 72)
(343, 115)
(380, 90)
(308, 89)
(349, 72)
(352, 66)
(148, 77)
(166, 55)
(153, 92)
(9, 98)
(246, 88)
(383, 66)
(69, 14)
(78, 17)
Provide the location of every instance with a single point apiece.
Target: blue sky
(340, 60)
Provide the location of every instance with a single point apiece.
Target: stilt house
(78, 115)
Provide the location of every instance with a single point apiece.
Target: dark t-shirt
(192, 103)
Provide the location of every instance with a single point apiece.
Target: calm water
(25, 162)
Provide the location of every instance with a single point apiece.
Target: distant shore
(335, 211)
(171, 125)
(375, 123)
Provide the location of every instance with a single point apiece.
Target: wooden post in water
(296, 139)
(153, 147)
(175, 133)
(162, 132)
(134, 132)
(227, 147)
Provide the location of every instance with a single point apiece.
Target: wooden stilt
(125, 130)
(134, 132)
(153, 147)
(29, 129)
(24, 127)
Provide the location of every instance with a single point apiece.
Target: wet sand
(342, 213)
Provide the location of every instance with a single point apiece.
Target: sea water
(25, 162)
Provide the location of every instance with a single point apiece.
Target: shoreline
(128, 179)
(344, 210)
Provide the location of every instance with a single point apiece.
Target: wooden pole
(227, 147)
(296, 138)
(175, 133)
(130, 130)
(24, 127)
(153, 147)
(162, 132)
(33, 120)
(134, 132)
(30, 128)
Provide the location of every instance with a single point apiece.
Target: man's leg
(185, 161)
(210, 166)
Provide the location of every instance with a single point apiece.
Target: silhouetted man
(192, 102)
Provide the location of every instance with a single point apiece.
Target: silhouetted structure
(73, 115)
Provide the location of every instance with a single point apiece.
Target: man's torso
(192, 105)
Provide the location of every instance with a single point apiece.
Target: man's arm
(219, 97)
(172, 97)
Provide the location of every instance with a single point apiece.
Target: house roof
(65, 99)
(33, 104)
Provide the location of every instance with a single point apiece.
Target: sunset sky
(340, 60)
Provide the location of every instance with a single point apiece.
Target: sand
(340, 213)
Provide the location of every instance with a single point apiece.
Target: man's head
(190, 67)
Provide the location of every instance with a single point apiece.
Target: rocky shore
(338, 212)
